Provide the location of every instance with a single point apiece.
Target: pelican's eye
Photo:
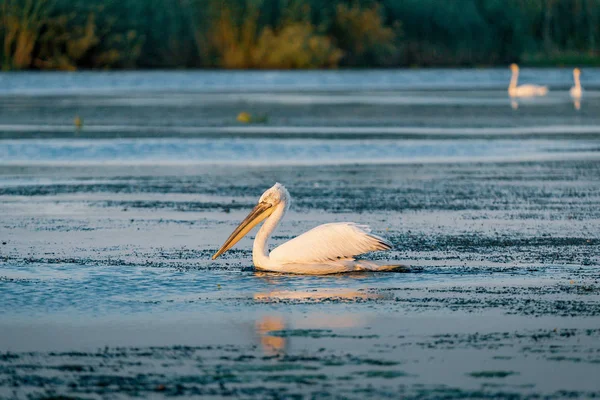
(274, 195)
(270, 198)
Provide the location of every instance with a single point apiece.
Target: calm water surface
(260, 81)
(106, 233)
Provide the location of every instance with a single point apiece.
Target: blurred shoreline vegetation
(34, 35)
(237, 41)
(296, 34)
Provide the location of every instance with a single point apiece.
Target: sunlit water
(270, 151)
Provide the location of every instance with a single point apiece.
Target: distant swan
(523, 90)
(576, 91)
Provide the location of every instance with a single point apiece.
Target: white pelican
(523, 90)
(326, 249)
(576, 91)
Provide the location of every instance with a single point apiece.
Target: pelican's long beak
(258, 214)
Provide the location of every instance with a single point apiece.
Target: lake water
(106, 233)
(53, 83)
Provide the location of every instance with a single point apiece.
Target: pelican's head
(275, 195)
(576, 72)
(514, 67)
(267, 203)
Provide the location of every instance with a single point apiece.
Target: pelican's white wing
(329, 242)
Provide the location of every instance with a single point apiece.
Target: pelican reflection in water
(271, 344)
(325, 249)
(271, 330)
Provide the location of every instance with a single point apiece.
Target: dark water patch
(492, 374)
(174, 205)
(272, 368)
(539, 341)
(304, 379)
(564, 358)
(594, 149)
(512, 306)
(472, 240)
(477, 241)
(74, 368)
(382, 374)
(572, 288)
(374, 361)
(317, 334)
(13, 279)
(55, 189)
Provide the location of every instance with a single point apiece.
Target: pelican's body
(325, 249)
(576, 91)
(523, 90)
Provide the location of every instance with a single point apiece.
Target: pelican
(325, 249)
(576, 91)
(523, 90)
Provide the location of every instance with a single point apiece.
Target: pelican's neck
(514, 78)
(260, 251)
(577, 82)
